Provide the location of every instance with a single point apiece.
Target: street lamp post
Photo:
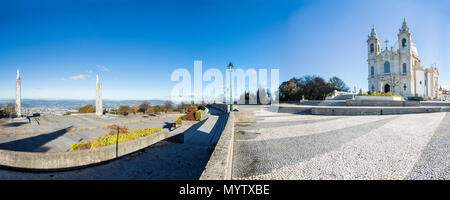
(230, 68)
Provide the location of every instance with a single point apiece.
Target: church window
(371, 48)
(404, 68)
(387, 67)
(404, 86)
(372, 71)
(373, 88)
(404, 42)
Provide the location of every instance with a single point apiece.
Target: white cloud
(103, 68)
(63, 79)
(79, 77)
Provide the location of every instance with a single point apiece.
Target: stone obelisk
(98, 99)
(18, 98)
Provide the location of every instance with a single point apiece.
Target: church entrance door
(387, 88)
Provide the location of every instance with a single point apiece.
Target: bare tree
(10, 109)
(167, 106)
(144, 107)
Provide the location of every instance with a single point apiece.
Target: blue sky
(135, 45)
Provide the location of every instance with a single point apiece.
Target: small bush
(87, 109)
(124, 110)
(198, 115)
(374, 93)
(80, 146)
(115, 129)
(190, 115)
(178, 122)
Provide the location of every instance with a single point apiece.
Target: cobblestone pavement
(293, 146)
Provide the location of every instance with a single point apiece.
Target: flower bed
(380, 94)
(110, 139)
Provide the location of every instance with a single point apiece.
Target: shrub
(190, 115)
(80, 146)
(124, 110)
(178, 122)
(115, 129)
(374, 93)
(198, 115)
(157, 109)
(87, 109)
(114, 139)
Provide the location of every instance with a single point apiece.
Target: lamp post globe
(230, 68)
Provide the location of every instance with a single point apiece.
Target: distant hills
(75, 104)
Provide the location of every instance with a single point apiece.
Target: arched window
(404, 42)
(387, 67)
(404, 68)
(372, 71)
(373, 88)
(404, 86)
(371, 48)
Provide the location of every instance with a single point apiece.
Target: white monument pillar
(18, 98)
(98, 99)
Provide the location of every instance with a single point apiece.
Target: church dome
(414, 50)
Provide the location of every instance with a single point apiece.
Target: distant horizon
(62, 99)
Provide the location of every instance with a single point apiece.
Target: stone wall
(36, 161)
(219, 166)
(222, 107)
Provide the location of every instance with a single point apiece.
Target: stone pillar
(18, 97)
(98, 99)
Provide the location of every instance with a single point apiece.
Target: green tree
(338, 84)
(310, 87)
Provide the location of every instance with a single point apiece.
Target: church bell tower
(373, 44)
(405, 39)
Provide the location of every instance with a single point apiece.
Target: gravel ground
(414, 146)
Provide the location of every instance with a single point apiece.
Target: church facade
(399, 70)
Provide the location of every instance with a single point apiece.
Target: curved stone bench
(36, 161)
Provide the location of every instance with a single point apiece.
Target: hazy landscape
(61, 106)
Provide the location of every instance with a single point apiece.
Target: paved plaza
(296, 146)
(58, 139)
(169, 159)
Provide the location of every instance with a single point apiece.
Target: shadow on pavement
(32, 144)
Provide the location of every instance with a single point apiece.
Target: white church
(398, 69)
